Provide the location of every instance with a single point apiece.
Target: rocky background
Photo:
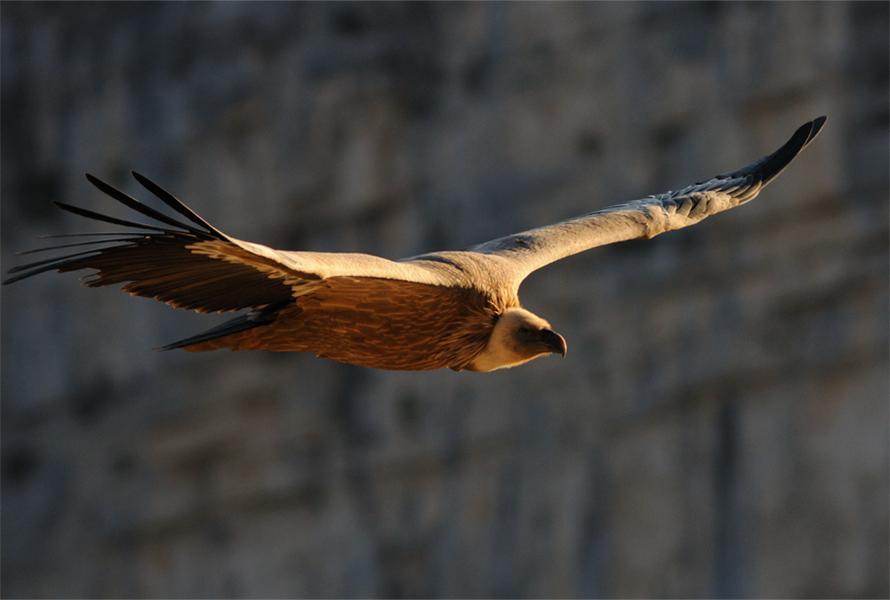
(719, 427)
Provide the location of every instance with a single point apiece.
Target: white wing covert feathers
(426, 312)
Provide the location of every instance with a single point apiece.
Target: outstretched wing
(188, 263)
(533, 249)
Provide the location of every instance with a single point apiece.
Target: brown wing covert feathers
(380, 323)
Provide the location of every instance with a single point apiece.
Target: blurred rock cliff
(719, 427)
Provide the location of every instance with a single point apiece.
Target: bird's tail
(227, 335)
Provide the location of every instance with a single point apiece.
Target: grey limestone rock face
(719, 427)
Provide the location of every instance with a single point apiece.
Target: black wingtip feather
(176, 204)
(84, 212)
(179, 228)
(781, 158)
(768, 168)
(42, 266)
(46, 261)
(817, 124)
(139, 207)
(89, 243)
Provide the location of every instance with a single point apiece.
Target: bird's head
(518, 337)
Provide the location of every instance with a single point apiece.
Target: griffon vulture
(457, 309)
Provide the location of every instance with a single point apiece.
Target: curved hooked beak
(554, 342)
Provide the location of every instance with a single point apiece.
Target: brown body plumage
(377, 323)
(457, 309)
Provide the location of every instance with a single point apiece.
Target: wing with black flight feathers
(530, 250)
(186, 262)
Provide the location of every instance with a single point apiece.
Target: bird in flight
(456, 309)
